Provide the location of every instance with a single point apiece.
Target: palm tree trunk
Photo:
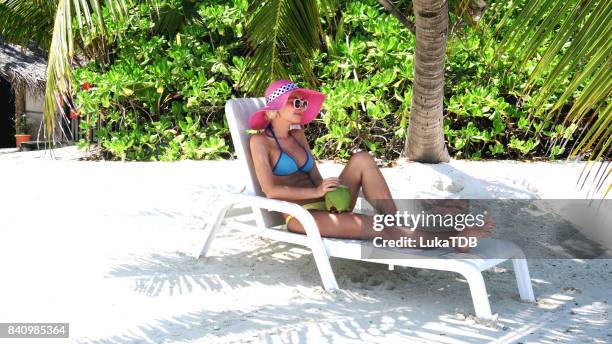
(425, 141)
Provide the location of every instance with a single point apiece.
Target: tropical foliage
(89, 25)
(282, 34)
(162, 98)
(575, 58)
(508, 93)
(25, 22)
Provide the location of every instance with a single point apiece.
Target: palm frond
(25, 22)
(331, 11)
(171, 17)
(281, 33)
(92, 31)
(576, 33)
(575, 66)
(51, 25)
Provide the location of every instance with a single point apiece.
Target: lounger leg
(523, 280)
(479, 294)
(213, 227)
(325, 271)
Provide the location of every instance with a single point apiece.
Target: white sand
(110, 248)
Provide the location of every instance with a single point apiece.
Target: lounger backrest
(238, 111)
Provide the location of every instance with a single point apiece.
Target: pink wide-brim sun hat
(276, 97)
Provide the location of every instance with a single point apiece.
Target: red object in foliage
(74, 114)
(86, 86)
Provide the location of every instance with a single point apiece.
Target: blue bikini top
(287, 165)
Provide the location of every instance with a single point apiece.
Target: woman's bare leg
(343, 225)
(361, 171)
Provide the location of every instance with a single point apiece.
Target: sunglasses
(298, 103)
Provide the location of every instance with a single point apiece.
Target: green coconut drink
(338, 200)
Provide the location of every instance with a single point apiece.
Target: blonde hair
(271, 114)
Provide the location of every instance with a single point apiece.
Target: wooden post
(19, 105)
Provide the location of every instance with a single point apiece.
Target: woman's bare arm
(263, 170)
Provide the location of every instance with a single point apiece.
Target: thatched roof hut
(23, 68)
(22, 88)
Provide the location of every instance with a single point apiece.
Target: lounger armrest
(314, 241)
(293, 209)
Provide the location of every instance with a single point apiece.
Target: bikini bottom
(319, 205)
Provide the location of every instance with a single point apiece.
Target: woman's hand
(328, 184)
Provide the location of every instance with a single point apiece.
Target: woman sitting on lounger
(286, 169)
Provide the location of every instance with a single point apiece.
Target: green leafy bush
(162, 97)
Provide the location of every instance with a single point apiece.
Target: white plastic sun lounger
(262, 218)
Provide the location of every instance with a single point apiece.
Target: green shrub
(162, 97)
